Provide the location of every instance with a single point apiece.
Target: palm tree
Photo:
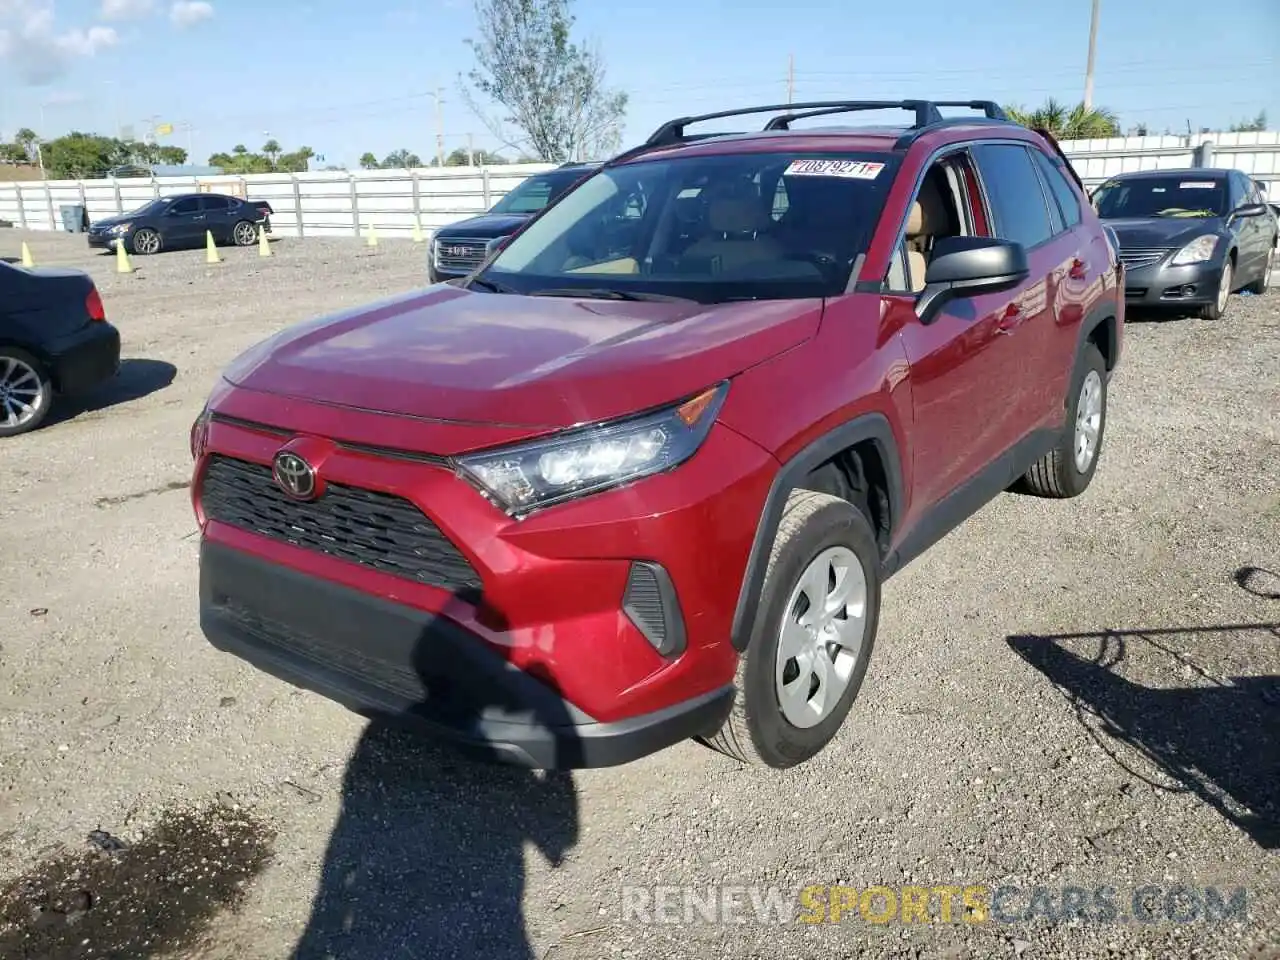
(1068, 123)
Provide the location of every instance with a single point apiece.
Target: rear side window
(215, 204)
(1068, 204)
(1014, 192)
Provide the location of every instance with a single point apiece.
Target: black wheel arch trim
(1103, 313)
(872, 427)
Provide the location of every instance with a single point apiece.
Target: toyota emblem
(295, 476)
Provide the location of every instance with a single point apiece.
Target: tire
(1263, 283)
(23, 379)
(816, 531)
(145, 242)
(244, 234)
(1218, 309)
(1059, 474)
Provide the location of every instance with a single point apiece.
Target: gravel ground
(1063, 695)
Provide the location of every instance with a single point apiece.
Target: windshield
(536, 192)
(151, 206)
(707, 228)
(1177, 196)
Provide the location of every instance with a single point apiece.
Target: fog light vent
(650, 603)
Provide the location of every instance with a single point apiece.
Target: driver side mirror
(963, 266)
(1249, 210)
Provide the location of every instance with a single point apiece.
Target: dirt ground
(1067, 696)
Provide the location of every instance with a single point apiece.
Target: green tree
(78, 156)
(464, 158)
(1068, 123)
(295, 161)
(271, 150)
(368, 161)
(1256, 125)
(552, 90)
(401, 159)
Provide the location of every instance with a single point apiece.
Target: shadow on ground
(427, 858)
(1215, 739)
(137, 378)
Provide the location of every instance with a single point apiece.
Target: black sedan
(1189, 238)
(54, 339)
(169, 223)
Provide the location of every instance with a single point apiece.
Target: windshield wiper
(489, 285)
(604, 293)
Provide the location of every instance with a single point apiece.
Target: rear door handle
(1079, 269)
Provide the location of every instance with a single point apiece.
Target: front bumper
(555, 599)
(390, 661)
(1160, 285)
(85, 359)
(104, 241)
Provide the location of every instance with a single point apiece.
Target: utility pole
(791, 76)
(1093, 52)
(439, 128)
(471, 149)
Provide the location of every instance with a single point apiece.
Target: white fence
(1257, 154)
(346, 204)
(320, 204)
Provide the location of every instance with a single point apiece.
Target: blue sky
(344, 78)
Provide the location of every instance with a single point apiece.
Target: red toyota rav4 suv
(640, 476)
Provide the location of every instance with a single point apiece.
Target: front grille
(375, 530)
(1135, 257)
(460, 254)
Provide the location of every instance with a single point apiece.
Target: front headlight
(591, 459)
(120, 228)
(1197, 251)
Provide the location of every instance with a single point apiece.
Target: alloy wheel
(21, 392)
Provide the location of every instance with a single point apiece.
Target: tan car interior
(932, 215)
(735, 219)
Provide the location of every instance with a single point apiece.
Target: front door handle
(1079, 269)
(1011, 319)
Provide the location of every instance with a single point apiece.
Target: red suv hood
(453, 354)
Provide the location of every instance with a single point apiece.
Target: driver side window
(942, 207)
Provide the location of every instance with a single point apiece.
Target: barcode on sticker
(853, 169)
(1197, 185)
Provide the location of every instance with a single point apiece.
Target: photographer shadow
(427, 858)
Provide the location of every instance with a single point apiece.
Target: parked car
(460, 247)
(54, 339)
(640, 477)
(1189, 238)
(170, 223)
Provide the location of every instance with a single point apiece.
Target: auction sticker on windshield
(853, 169)
(1197, 185)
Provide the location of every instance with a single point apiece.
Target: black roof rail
(990, 109)
(927, 116)
(673, 130)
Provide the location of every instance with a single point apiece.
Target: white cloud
(126, 9)
(37, 51)
(185, 13)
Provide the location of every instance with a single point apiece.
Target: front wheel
(26, 392)
(244, 234)
(1215, 310)
(146, 242)
(798, 678)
